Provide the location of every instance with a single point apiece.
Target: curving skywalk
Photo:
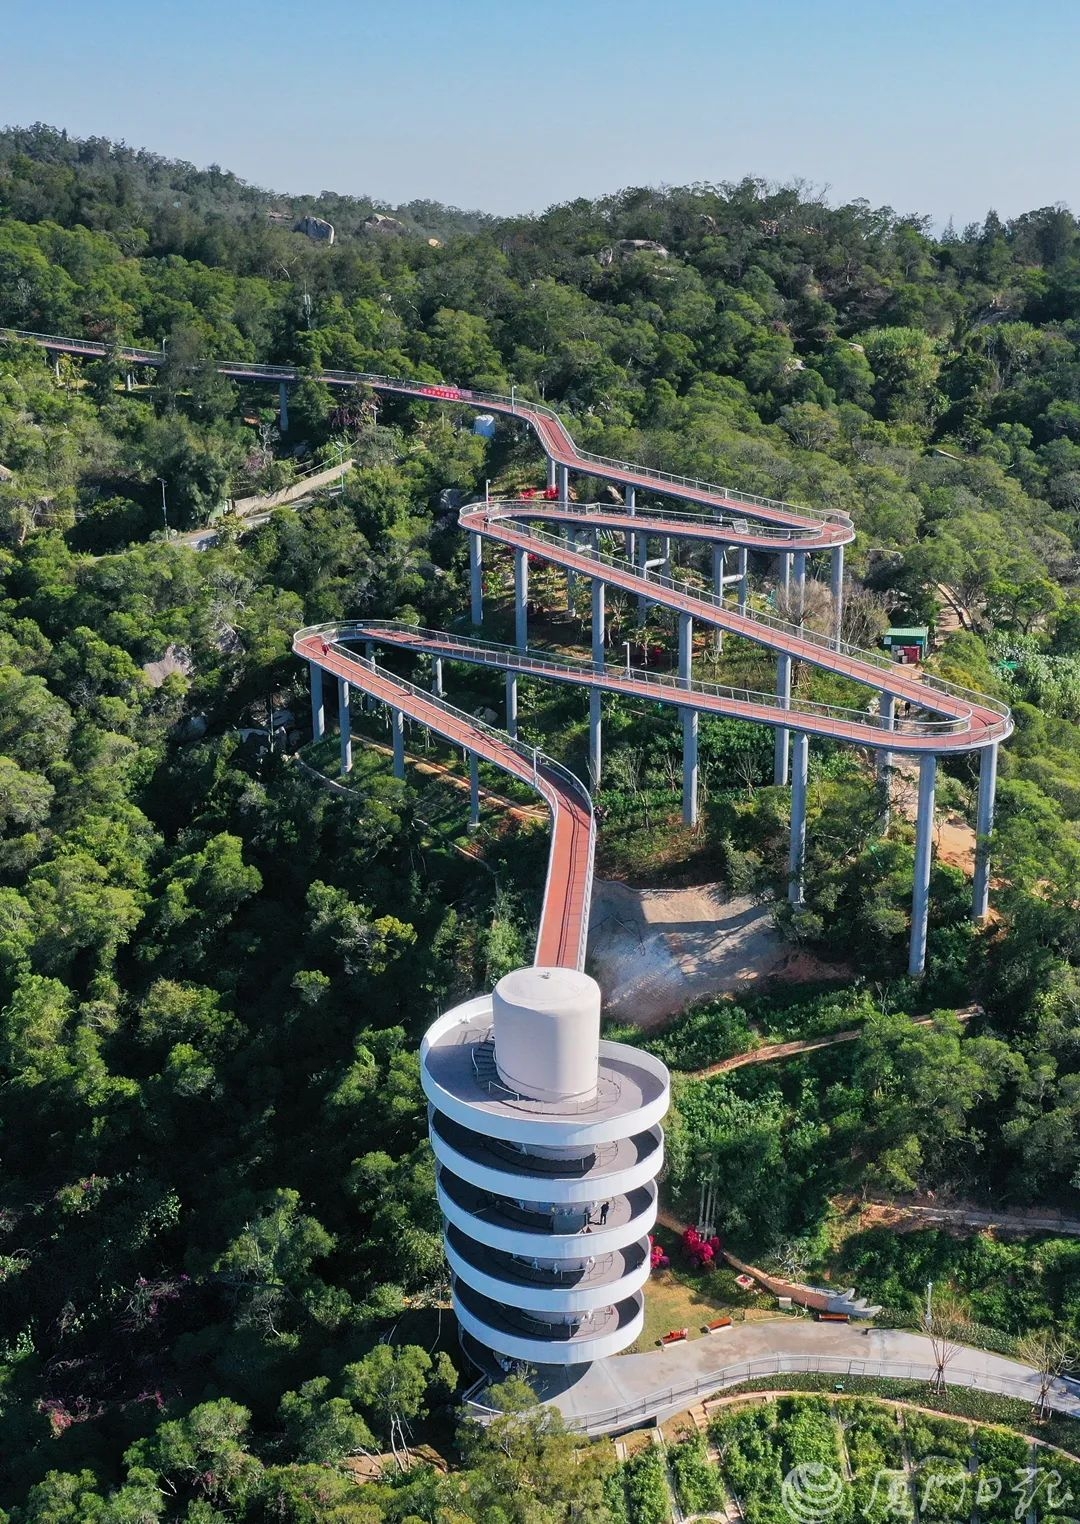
(935, 718)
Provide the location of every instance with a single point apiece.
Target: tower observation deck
(548, 1143)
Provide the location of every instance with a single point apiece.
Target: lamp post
(487, 489)
(164, 509)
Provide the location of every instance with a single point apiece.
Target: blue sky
(944, 108)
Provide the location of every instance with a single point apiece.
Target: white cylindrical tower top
(547, 1033)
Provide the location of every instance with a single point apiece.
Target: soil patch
(655, 951)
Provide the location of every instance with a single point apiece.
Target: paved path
(637, 1387)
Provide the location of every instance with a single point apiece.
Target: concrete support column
(344, 725)
(665, 551)
(686, 649)
(836, 587)
(283, 408)
(984, 824)
(642, 557)
(397, 725)
(800, 584)
(521, 598)
(783, 693)
(630, 500)
(744, 579)
(719, 563)
(474, 791)
(550, 473)
(594, 738)
(598, 624)
(511, 705)
(785, 571)
(924, 842)
(564, 484)
(476, 579)
(885, 758)
(797, 851)
(436, 678)
(318, 713)
(571, 574)
(690, 767)
(366, 702)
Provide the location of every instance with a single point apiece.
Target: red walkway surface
(966, 721)
(564, 920)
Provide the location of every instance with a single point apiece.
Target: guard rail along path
(938, 717)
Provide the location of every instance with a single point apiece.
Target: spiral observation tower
(547, 1140)
(548, 1143)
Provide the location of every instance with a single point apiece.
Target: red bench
(675, 1336)
(833, 1317)
(708, 1328)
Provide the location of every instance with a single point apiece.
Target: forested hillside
(214, 971)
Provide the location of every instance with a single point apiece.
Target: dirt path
(423, 765)
(772, 1051)
(748, 1398)
(907, 1217)
(656, 951)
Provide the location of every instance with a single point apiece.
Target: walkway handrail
(435, 391)
(550, 508)
(513, 512)
(336, 634)
(670, 1399)
(495, 653)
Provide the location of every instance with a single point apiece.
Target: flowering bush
(702, 1252)
(657, 1255)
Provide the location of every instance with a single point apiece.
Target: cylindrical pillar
(686, 649)
(474, 790)
(283, 407)
(783, 693)
(521, 598)
(344, 725)
(690, 767)
(550, 474)
(719, 562)
(885, 758)
(436, 677)
(476, 579)
(924, 842)
(571, 575)
(665, 551)
(797, 852)
(366, 702)
(642, 557)
(318, 713)
(397, 725)
(744, 579)
(836, 587)
(630, 501)
(800, 585)
(564, 484)
(785, 571)
(511, 705)
(594, 738)
(984, 824)
(598, 624)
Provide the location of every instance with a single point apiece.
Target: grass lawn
(678, 1298)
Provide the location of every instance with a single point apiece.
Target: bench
(675, 1336)
(833, 1317)
(708, 1328)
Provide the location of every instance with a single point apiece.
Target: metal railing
(663, 687)
(672, 1398)
(763, 621)
(540, 763)
(550, 508)
(439, 392)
